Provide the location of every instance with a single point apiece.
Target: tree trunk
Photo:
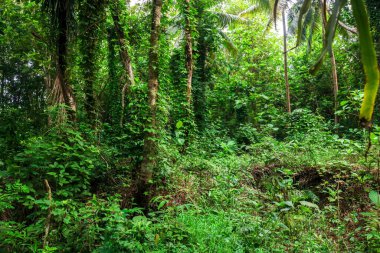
(202, 75)
(2, 100)
(188, 52)
(90, 14)
(335, 85)
(150, 142)
(288, 105)
(124, 55)
(334, 73)
(62, 91)
(88, 47)
(189, 68)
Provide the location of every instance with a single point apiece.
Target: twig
(48, 218)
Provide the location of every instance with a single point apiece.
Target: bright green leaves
(368, 56)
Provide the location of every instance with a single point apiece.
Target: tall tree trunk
(88, 47)
(288, 105)
(150, 142)
(189, 68)
(335, 84)
(90, 14)
(62, 91)
(111, 107)
(202, 75)
(89, 80)
(188, 52)
(200, 85)
(2, 100)
(334, 73)
(124, 55)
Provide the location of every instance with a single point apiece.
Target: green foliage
(249, 178)
(63, 157)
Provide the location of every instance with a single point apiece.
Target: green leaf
(375, 198)
(309, 204)
(181, 141)
(179, 124)
(162, 203)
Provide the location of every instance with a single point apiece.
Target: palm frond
(263, 5)
(228, 43)
(303, 11)
(330, 34)
(314, 27)
(369, 60)
(250, 10)
(226, 19)
(275, 9)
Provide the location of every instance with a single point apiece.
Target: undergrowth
(286, 189)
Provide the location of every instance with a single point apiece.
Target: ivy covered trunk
(188, 52)
(91, 12)
(124, 55)
(202, 75)
(148, 164)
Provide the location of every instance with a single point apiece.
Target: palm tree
(367, 48)
(311, 14)
(202, 18)
(288, 104)
(210, 25)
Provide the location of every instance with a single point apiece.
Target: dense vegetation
(189, 126)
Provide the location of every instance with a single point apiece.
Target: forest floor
(276, 196)
(309, 192)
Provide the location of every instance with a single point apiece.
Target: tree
(367, 48)
(288, 105)
(124, 54)
(91, 15)
(334, 72)
(61, 14)
(150, 142)
(210, 27)
(310, 15)
(188, 51)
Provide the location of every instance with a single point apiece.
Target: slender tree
(334, 72)
(288, 104)
(188, 51)
(124, 54)
(367, 48)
